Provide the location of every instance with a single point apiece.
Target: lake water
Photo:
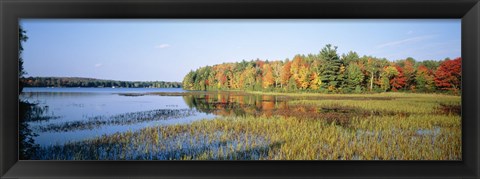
(72, 114)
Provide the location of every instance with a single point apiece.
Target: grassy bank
(388, 126)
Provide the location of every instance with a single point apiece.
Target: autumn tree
(189, 81)
(258, 74)
(297, 63)
(285, 74)
(388, 73)
(303, 78)
(249, 75)
(229, 73)
(211, 79)
(276, 69)
(220, 76)
(372, 68)
(315, 81)
(268, 78)
(409, 72)
(424, 79)
(398, 80)
(449, 75)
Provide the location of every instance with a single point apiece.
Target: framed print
(126, 100)
(239, 89)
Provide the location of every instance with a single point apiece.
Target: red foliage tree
(399, 80)
(221, 76)
(259, 63)
(409, 73)
(449, 74)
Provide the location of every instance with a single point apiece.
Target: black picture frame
(12, 10)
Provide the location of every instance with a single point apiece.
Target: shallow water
(69, 105)
(73, 114)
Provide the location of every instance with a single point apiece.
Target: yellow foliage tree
(315, 81)
(268, 78)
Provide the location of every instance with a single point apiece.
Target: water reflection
(244, 104)
(235, 103)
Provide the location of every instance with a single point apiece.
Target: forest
(92, 82)
(329, 72)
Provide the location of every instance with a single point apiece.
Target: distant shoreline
(93, 87)
(74, 82)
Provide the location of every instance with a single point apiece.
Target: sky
(166, 50)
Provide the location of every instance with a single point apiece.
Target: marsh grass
(119, 119)
(35, 112)
(391, 126)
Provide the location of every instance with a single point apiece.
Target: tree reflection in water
(236, 103)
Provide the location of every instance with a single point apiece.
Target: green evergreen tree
(330, 74)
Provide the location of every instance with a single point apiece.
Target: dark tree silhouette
(27, 146)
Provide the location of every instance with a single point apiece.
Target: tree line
(329, 72)
(92, 82)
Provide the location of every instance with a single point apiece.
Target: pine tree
(331, 71)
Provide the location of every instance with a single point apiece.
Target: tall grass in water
(119, 119)
(419, 127)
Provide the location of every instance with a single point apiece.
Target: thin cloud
(98, 65)
(404, 41)
(162, 46)
(410, 32)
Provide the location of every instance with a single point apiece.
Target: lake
(63, 106)
(73, 114)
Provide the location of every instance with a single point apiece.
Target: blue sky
(165, 50)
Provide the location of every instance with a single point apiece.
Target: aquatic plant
(119, 119)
